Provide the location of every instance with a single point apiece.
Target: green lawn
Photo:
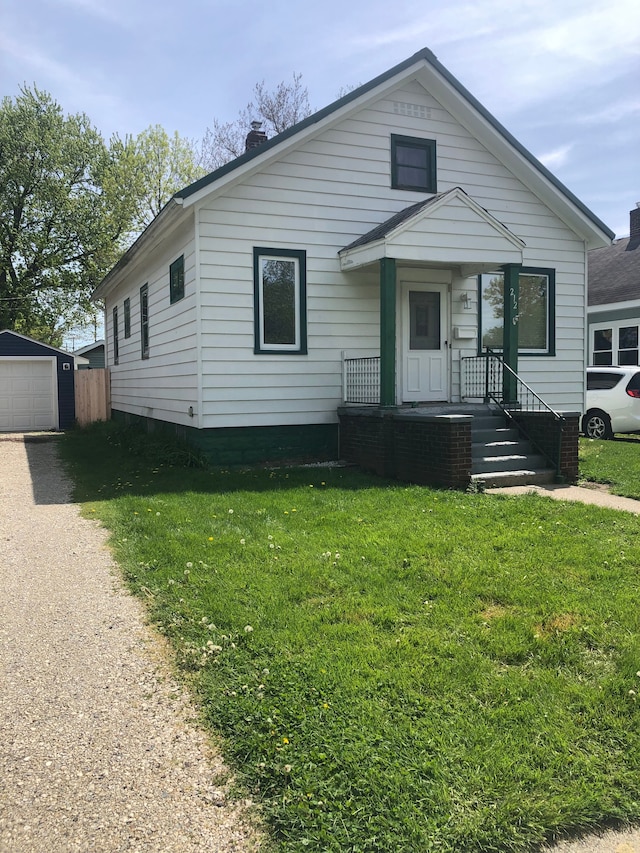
(392, 668)
(616, 463)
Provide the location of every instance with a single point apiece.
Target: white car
(613, 401)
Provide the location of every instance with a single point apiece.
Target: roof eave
(163, 220)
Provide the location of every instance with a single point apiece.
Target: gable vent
(401, 108)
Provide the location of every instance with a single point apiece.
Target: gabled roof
(422, 57)
(429, 232)
(34, 341)
(89, 347)
(424, 67)
(614, 272)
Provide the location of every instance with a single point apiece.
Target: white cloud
(556, 158)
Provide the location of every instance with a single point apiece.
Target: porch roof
(449, 229)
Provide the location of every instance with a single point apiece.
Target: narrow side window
(116, 343)
(127, 318)
(176, 280)
(144, 320)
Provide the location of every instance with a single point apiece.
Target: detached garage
(36, 385)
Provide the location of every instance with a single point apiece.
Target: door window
(424, 320)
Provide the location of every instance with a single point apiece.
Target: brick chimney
(634, 227)
(255, 137)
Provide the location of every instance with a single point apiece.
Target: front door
(424, 343)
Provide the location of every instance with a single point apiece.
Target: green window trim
(546, 322)
(144, 321)
(116, 342)
(127, 318)
(413, 164)
(280, 301)
(176, 280)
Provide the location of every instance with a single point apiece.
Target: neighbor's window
(279, 282)
(413, 163)
(144, 320)
(628, 345)
(176, 280)
(536, 311)
(603, 346)
(616, 343)
(116, 344)
(127, 318)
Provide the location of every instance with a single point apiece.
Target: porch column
(387, 332)
(510, 330)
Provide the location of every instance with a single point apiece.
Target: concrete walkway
(99, 749)
(596, 496)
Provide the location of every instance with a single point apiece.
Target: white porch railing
(361, 379)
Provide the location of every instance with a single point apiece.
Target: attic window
(279, 282)
(413, 164)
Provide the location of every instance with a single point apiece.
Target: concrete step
(501, 446)
(488, 422)
(502, 433)
(524, 477)
(508, 462)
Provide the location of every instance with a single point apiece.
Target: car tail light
(633, 392)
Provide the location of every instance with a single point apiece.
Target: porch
(482, 440)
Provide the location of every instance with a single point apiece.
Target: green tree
(65, 215)
(161, 165)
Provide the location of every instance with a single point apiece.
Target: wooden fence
(93, 396)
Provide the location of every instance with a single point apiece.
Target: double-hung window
(413, 163)
(144, 321)
(535, 311)
(279, 287)
(176, 280)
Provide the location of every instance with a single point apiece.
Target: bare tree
(276, 109)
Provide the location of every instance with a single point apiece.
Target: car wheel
(597, 424)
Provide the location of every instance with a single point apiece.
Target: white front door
(424, 343)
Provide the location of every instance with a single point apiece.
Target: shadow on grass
(107, 461)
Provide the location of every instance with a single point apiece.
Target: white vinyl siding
(319, 197)
(163, 385)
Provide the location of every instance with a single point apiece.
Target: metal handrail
(486, 373)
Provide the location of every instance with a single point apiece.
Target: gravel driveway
(98, 746)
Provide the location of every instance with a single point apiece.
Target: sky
(563, 76)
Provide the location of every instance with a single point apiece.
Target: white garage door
(28, 399)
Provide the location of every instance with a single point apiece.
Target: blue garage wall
(12, 344)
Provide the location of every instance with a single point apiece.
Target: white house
(384, 225)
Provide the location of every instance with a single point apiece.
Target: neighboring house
(385, 227)
(94, 353)
(36, 385)
(614, 299)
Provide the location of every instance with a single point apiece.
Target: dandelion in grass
(243, 541)
(210, 539)
(248, 629)
(287, 768)
(189, 565)
(285, 740)
(230, 512)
